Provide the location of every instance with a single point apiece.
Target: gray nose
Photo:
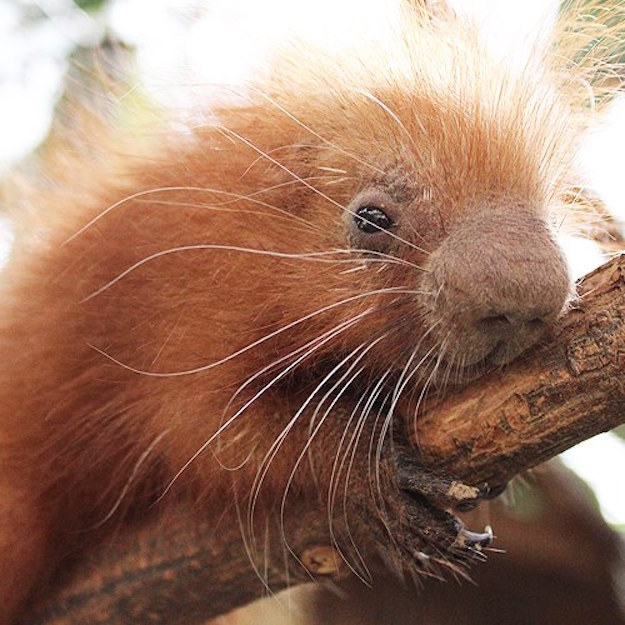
(502, 281)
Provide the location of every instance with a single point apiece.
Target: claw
(494, 491)
(477, 540)
(486, 493)
(422, 557)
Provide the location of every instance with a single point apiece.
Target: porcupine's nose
(501, 281)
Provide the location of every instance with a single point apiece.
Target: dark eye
(372, 219)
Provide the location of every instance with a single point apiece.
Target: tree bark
(176, 570)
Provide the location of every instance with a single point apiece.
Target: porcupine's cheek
(495, 285)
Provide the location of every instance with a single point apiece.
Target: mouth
(476, 366)
(499, 356)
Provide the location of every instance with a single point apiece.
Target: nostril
(495, 321)
(501, 322)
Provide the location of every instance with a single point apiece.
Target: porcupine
(192, 322)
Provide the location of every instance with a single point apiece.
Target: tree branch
(177, 570)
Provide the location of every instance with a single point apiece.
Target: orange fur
(145, 306)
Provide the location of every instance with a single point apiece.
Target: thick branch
(174, 570)
(178, 571)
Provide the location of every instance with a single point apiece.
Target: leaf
(90, 5)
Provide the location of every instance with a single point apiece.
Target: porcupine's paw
(439, 489)
(422, 532)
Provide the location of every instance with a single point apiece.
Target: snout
(499, 280)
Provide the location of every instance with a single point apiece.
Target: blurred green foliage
(620, 432)
(90, 5)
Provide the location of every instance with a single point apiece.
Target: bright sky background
(177, 50)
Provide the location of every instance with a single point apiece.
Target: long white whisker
(135, 471)
(198, 247)
(373, 397)
(312, 256)
(375, 393)
(224, 207)
(316, 134)
(331, 497)
(399, 389)
(353, 443)
(389, 417)
(388, 111)
(341, 328)
(246, 544)
(273, 450)
(313, 434)
(400, 380)
(212, 365)
(156, 190)
(311, 187)
(250, 380)
(431, 377)
(234, 198)
(331, 170)
(311, 437)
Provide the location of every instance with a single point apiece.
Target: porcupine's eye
(371, 219)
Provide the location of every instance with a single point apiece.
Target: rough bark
(178, 571)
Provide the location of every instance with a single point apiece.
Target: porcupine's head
(438, 168)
